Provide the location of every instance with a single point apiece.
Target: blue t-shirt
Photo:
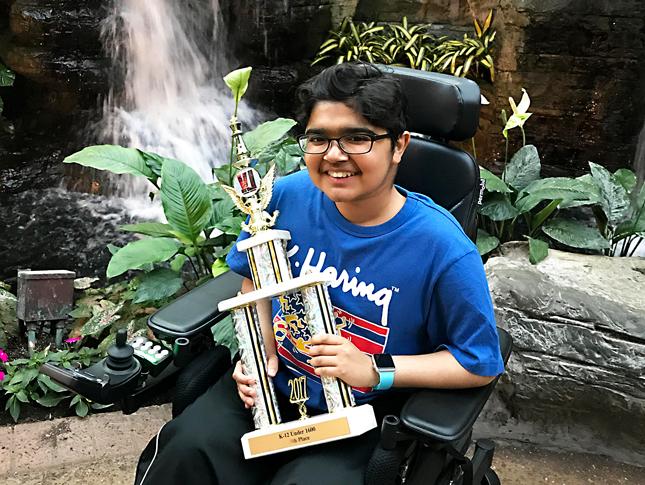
(412, 285)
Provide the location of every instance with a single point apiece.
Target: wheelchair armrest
(197, 309)
(448, 414)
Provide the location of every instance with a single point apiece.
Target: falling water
(172, 101)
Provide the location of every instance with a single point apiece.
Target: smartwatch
(384, 365)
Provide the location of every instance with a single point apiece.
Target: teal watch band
(384, 365)
(386, 380)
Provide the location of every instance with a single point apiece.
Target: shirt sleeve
(462, 320)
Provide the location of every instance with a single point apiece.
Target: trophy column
(266, 251)
(320, 319)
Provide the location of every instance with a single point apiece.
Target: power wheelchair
(428, 442)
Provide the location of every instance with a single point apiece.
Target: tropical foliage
(520, 204)
(23, 382)
(202, 221)
(412, 46)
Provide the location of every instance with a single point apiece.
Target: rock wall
(580, 61)
(53, 47)
(576, 372)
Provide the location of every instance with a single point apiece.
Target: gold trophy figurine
(266, 251)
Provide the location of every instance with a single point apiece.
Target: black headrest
(441, 106)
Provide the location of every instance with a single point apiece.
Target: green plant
(100, 312)
(202, 222)
(8, 319)
(24, 383)
(618, 205)
(520, 204)
(459, 56)
(352, 42)
(7, 78)
(412, 46)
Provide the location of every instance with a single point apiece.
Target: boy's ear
(399, 147)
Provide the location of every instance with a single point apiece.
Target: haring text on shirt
(380, 297)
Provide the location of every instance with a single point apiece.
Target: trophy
(266, 251)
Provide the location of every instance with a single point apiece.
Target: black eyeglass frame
(338, 139)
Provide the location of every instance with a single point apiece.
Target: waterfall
(171, 99)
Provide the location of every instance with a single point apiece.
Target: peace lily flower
(519, 116)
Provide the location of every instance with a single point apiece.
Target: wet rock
(56, 229)
(63, 23)
(578, 325)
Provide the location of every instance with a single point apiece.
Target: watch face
(384, 361)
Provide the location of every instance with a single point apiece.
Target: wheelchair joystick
(120, 355)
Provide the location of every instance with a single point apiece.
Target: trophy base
(345, 423)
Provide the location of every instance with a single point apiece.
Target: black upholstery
(197, 309)
(441, 108)
(447, 175)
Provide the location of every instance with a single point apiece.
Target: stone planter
(576, 377)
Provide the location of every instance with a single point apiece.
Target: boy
(407, 285)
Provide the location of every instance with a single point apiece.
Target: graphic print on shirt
(340, 278)
(292, 334)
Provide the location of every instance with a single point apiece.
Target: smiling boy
(410, 296)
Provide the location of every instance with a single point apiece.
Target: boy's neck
(372, 211)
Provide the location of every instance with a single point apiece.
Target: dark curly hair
(371, 92)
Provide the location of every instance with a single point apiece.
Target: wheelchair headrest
(440, 106)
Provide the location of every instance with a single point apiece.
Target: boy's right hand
(246, 384)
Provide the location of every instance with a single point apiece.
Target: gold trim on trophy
(299, 394)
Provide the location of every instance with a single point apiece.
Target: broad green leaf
(523, 168)
(47, 382)
(575, 234)
(267, 133)
(114, 158)
(636, 222)
(104, 316)
(154, 229)
(626, 178)
(178, 262)
(219, 267)
(13, 405)
(224, 333)
(553, 188)
(185, 199)
(154, 161)
(223, 209)
(238, 82)
(498, 207)
(493, 182)
(137, 254)
(158, 284)
(50, 400)
(538, 250)
(81, 409)
(485, 242)
(230, 225)
(113, 249)
(7, 76)
(613, 196)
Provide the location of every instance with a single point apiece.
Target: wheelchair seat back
(441, 109)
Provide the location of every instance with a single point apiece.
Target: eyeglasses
(355, 144)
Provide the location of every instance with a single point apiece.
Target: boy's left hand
(335, 356)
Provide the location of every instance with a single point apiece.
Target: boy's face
(344, 178)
